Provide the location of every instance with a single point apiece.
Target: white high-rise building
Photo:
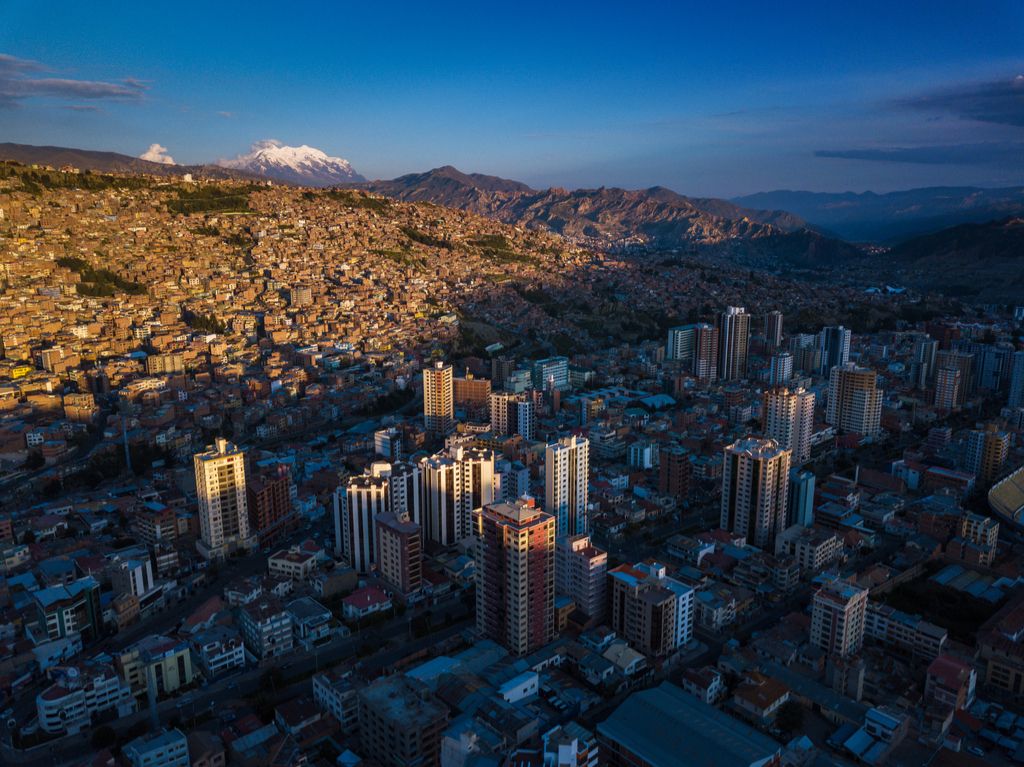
(223, 506)
(405, 491)
(438, 399)
(513, 414)
(388, 443)
(566, 484)
(681, 343)
(357, 502)
(581, 573)
(788, 416)
(456, 482)
(755, 489)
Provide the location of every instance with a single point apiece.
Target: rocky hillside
(605, 217)
(973, 261)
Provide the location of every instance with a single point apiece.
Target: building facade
(515, 575)
(566, 484)
(755, 490)
(223, 503)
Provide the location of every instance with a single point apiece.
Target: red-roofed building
(950, 682)
(364, 602)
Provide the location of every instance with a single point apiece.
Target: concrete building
(335, 694)
(909, 635)
(950, 682)
(780, 369)
(674, 472)
(566, 484)
(387, 443)
(949, 388)
(405, 490)
(834, 344)
(456, 483)
(733, 343)
(513, 414)
(581, 573)
(438, 399)
(295, 563)
(266, 627)
(773, 329)
(651, 611)
(218, 650)
(68, 609)
(311, 622)
(164, 662)
(755, 490)
(167, 748)
(401, 723)
(223, 504)
(854, 400)
(551, 373)
(788, 416)
(1015, 398)
(471, 394)
(985, 457)
(837, 618)
(800, 504)
(79, 693)
(269, 498)
(705, 352)
(515, 575)
(357, 503)
(962, 361)
(399, 553)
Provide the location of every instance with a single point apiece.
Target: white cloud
(157, 153)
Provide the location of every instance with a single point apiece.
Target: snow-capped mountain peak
(303, 165)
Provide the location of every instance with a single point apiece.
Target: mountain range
(894, 216)
(960, 240)
(655, 218)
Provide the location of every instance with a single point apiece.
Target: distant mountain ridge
(657, 217)
(109, 162)
(893, 216)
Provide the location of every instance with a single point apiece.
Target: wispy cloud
(82, 108)
(19, 81)
(998, 101)
(1011, 153)
(226, 115)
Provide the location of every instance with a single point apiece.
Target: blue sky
(710, 99)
